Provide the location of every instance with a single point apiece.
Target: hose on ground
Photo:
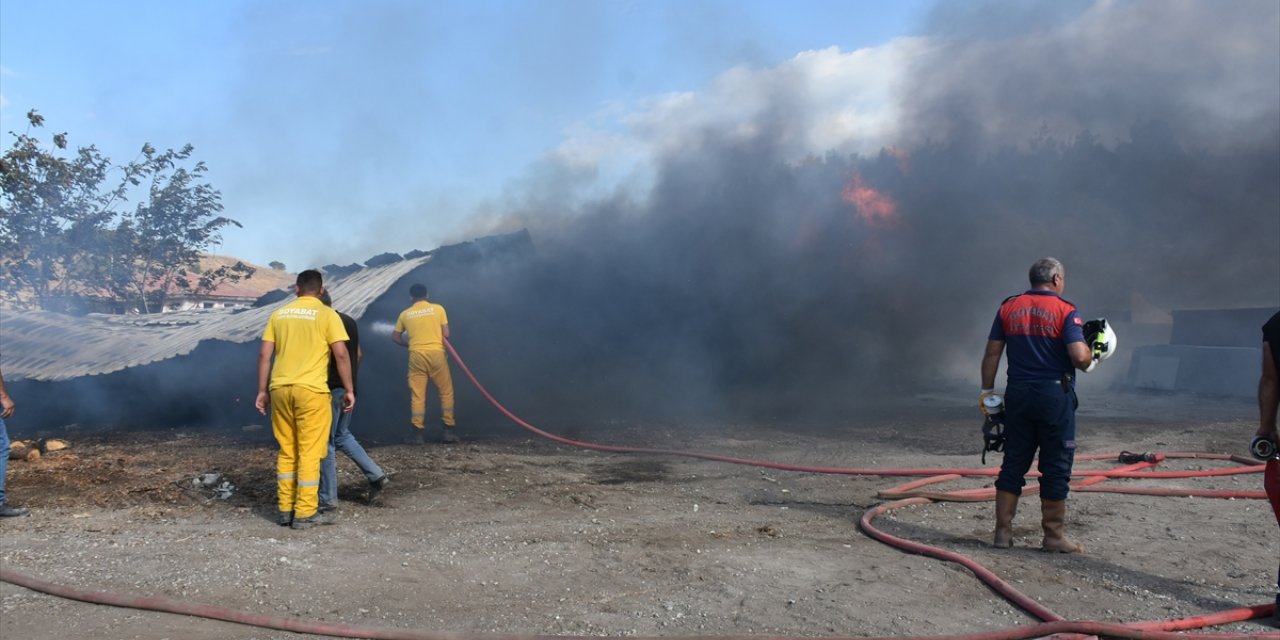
(1121, 473)
(282, 623)
(1091, 478)
(906, 496)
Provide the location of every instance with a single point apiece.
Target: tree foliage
(66, 233)
(49, 204)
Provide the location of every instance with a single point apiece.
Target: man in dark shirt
(1045, 339)
(340, 438)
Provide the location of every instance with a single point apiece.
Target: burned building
(197, 367)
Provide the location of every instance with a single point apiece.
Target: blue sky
(338, 130)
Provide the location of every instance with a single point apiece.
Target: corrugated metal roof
(46, 346)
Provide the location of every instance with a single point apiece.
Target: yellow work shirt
(302, 332)
(423, 322)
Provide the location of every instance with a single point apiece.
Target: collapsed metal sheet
(47, 346)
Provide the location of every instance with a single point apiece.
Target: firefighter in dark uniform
(1045, 340)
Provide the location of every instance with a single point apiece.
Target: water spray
(382, 328)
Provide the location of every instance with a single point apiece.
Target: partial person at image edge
(1268, 404)
(6, 410)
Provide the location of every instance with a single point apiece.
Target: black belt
(1067, 381)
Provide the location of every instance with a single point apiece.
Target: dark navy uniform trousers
(1038, 414)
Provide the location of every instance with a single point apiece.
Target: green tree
(159, 242)
(63, 235)
(51, 206)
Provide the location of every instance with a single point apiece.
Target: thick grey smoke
(1002, 73)
(1142, 137)
(1138, 142)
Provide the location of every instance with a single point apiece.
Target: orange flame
(901, 155)
(872, 206)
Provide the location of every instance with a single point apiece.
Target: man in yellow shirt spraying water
(427, 326)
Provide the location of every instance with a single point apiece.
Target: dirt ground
(509, 533)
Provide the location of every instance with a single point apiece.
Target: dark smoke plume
(1137, 142)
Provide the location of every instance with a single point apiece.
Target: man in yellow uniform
(302, 335)
(427, 326)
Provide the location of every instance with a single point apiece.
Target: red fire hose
(382, 633)
(905, 495)
(936, 475)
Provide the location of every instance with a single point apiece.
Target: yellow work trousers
(424, 367)
(301, 419)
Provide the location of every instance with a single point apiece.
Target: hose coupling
(1129, 457)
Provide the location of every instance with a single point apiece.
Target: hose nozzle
(992, 435)
(1262, 448)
